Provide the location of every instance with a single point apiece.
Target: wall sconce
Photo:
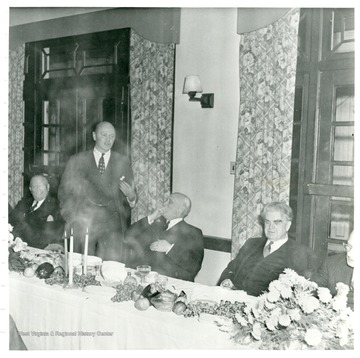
(192, 85)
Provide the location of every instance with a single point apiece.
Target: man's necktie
(33, 206)
(267, 249)
(102, 164)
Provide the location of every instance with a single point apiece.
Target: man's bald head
(39, 187)
(104, 136)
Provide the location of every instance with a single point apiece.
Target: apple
(179, 307)
(142, 304)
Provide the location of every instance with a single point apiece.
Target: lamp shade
(192, 84)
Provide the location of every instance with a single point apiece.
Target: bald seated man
(96, 194)
(166, 242)
(339, 268)
(36, 218)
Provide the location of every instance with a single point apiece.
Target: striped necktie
(33, 206)
(267, 249)
(102, 164)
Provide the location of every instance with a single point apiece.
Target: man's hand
(154, 215)
(49, 218)
(54, 247)
(160, 246)
(227, 283)
(127, 189)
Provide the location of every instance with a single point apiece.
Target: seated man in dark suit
(261, 260)
(339, 268)
(175, 249)
(36, 219)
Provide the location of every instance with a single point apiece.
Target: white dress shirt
(38, 204)
(276, 244)
(97, 156)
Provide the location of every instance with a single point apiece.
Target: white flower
(342, 331)
(10, 239)
(342, 289)
(284, 320)
(271, 323)
(324, 294)
(339, 303)
(240, 318)
(19, 245)
(313, 337)
(273, 296)
(10, 227)
(275, 285)
(286, 292)
(256, 331)
(294, 314)
(309, 303)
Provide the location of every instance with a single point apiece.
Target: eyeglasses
(347, 247)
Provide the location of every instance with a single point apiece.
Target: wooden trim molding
(217, 243)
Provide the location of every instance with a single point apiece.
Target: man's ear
(94, 135)
(288, 224)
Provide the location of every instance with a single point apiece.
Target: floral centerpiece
(294, 314)
(15, 247)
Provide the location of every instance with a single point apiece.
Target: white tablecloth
(50, 317)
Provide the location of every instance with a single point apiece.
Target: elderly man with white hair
(167, 243)
(36, 218)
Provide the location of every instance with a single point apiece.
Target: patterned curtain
(15, 125)
(267, 86)
(151, 93)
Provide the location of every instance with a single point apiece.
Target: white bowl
(113, 271)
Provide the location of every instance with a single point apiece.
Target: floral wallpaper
(151, 93)
(267, 86)
(15, 125)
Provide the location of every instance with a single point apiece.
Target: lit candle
(86, 251)
(66, 253)
(71, 268)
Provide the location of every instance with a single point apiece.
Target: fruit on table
(44, 270)
(135, 295)
(29, 272)
(179, 307)
(150, 291)
(142, 303)
(164, 301)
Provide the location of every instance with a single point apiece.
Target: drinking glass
(143, 270)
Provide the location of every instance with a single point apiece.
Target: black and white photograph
(180, 177)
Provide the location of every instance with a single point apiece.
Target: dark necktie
(33, 206)
(102, 164)
(267, 249)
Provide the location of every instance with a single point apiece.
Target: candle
(71, 250)
(86, 251)
(66, 253)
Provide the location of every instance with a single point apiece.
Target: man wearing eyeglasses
(339, 268)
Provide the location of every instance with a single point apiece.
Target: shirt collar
(278, 243)
(97, 153)
(173, 222)
(38, 203)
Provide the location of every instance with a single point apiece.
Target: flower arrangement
(295, 314)
(15, 247)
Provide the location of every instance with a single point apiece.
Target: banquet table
(53, 318)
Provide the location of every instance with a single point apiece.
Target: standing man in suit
(339, 268)
(261, 260)
(36, 219)
(96, 194)
(166, 242)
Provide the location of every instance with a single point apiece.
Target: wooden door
(322, 184)
(71, 84)
(331, 193)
